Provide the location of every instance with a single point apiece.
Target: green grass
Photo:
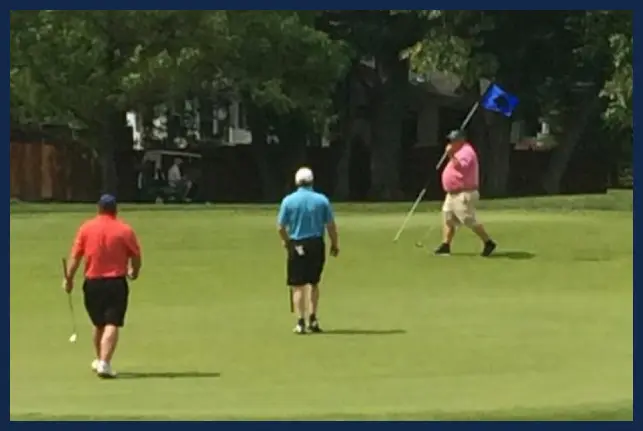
(543, 331)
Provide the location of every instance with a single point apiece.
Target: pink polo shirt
(464, 177)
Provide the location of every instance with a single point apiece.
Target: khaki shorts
(460, 208)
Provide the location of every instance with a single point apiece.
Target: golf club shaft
(426, 234)
(69, 301)
(71, 311)
(408, 216)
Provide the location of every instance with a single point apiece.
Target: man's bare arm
(135, 259)
(73, 263)
(136, 262)
(331, 227)
(283, 234)
(76, 254)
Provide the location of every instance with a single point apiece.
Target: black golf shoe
(443, 250)
(489, 247)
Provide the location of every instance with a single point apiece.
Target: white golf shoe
(104, 370)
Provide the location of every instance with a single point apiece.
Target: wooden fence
(46, 171)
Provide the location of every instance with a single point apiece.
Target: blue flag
(498, 100)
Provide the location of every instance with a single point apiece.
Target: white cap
(303, 175)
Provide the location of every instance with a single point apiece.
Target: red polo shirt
(107, 244)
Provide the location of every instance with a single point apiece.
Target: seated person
(177, 182)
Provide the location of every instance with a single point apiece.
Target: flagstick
(465, 123)
(463, 126)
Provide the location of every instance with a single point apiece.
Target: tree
(557, 61)
(618, 88)
(87, 68)
(382, 36)
(284, 70)
(299, 67)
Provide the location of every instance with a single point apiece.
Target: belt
(455, 192)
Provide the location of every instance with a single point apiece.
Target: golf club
(410, 213)
(73, 337)
(427, 233)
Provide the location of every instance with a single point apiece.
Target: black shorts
(306, 260)
(106, 300)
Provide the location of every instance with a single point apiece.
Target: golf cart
(152, 181)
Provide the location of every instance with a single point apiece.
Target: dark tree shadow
(363, 332)
(512, 255)
(168, 375)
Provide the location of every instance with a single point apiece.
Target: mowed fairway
(542, 331)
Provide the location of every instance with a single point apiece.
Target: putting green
(541, 331)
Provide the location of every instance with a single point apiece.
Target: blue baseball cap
(107, 202)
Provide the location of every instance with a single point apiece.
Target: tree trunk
(386, 139)
(293, 137)
(498, 155)
(345, 105)
(112, 136)
(206, 118)
(109, 176)
(478, 135)
(562, 153)
(342, 184)
(259, 129)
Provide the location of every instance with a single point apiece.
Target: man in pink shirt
(460, 181)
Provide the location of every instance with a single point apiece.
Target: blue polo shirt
(305, 214)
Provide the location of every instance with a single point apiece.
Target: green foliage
(74, 66)
(449, 51)
(544, 55)
(282, 62)
(619, 88)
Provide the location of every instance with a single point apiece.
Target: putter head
(72, 338)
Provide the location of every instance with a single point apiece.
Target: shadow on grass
(168, 375)
(511, 255)
(363, 332)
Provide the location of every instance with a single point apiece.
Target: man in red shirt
(112, 254)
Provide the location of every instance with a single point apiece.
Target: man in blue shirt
(303, 217)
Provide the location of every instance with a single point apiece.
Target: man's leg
(92, 299)
(299, 302)
(449, 226)
(313, 304)
(488, 244)
(466, 211)
(448, 230)
(97, 339)
(117, 292)
(296, 278)
(479, 230)
(316, 262)
(108, 343)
